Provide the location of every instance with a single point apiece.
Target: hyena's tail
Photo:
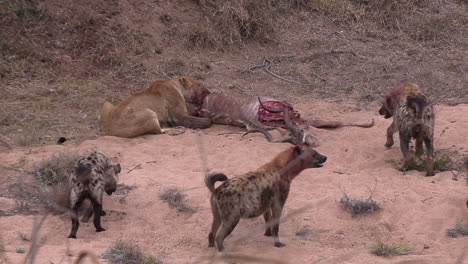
(211, 179)
(418, 103)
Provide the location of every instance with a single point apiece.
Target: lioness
(163, 105)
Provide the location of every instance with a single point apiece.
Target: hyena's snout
(318, 160)
(110, 191)
(322, 158)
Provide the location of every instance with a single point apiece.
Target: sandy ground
(416, 212)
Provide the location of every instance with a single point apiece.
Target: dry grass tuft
(55, 169)
(387, 250)
(240, 20)
(359, 206)
(128, 252)
(176, 199)
(443, 161)
(198, 37)
(459, 229)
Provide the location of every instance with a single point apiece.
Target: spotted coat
(414, 118)
(94, 173)
(263, 191)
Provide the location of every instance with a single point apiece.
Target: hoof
(72, 236)
(100, 230)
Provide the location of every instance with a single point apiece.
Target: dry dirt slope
(416, 210)
(59, 60)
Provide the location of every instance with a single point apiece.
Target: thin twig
(32, 253)
(428, 198)
(344, 51)
(266, 66)
(139, 165)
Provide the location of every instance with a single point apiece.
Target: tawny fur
(238, 112)
(263, 191)
(243, 112)
(94, 174)
(163, 105)
(413, 117)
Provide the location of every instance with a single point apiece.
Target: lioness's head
(194, 91)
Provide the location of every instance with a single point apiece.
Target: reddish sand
(416, 210)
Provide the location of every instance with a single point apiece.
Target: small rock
(20, 250)
(426, 247)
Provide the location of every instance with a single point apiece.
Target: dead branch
(32, 253)
(266, 66)
(137, 166)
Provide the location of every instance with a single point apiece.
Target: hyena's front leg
(267, 217)
(76, 203)
(404, 145)
(89, 213)
(428, 141)
(390, 131)
(276, 210)
(97, 205)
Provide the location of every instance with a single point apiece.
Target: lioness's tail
(211, 179)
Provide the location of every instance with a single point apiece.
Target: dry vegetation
(387, 250)
(176, 199)
(459, 229)
(55, 169)
(128, 252)
(358, 206)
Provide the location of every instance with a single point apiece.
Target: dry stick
(266, 66)
(133, 168)
(344, 51)
(34, 244)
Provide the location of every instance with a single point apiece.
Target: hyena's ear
(117, 168)
(297, 151)
(388, 102)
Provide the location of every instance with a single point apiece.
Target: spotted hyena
(466, 176)
(263, 191)
(94, 173)
(413, 117)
